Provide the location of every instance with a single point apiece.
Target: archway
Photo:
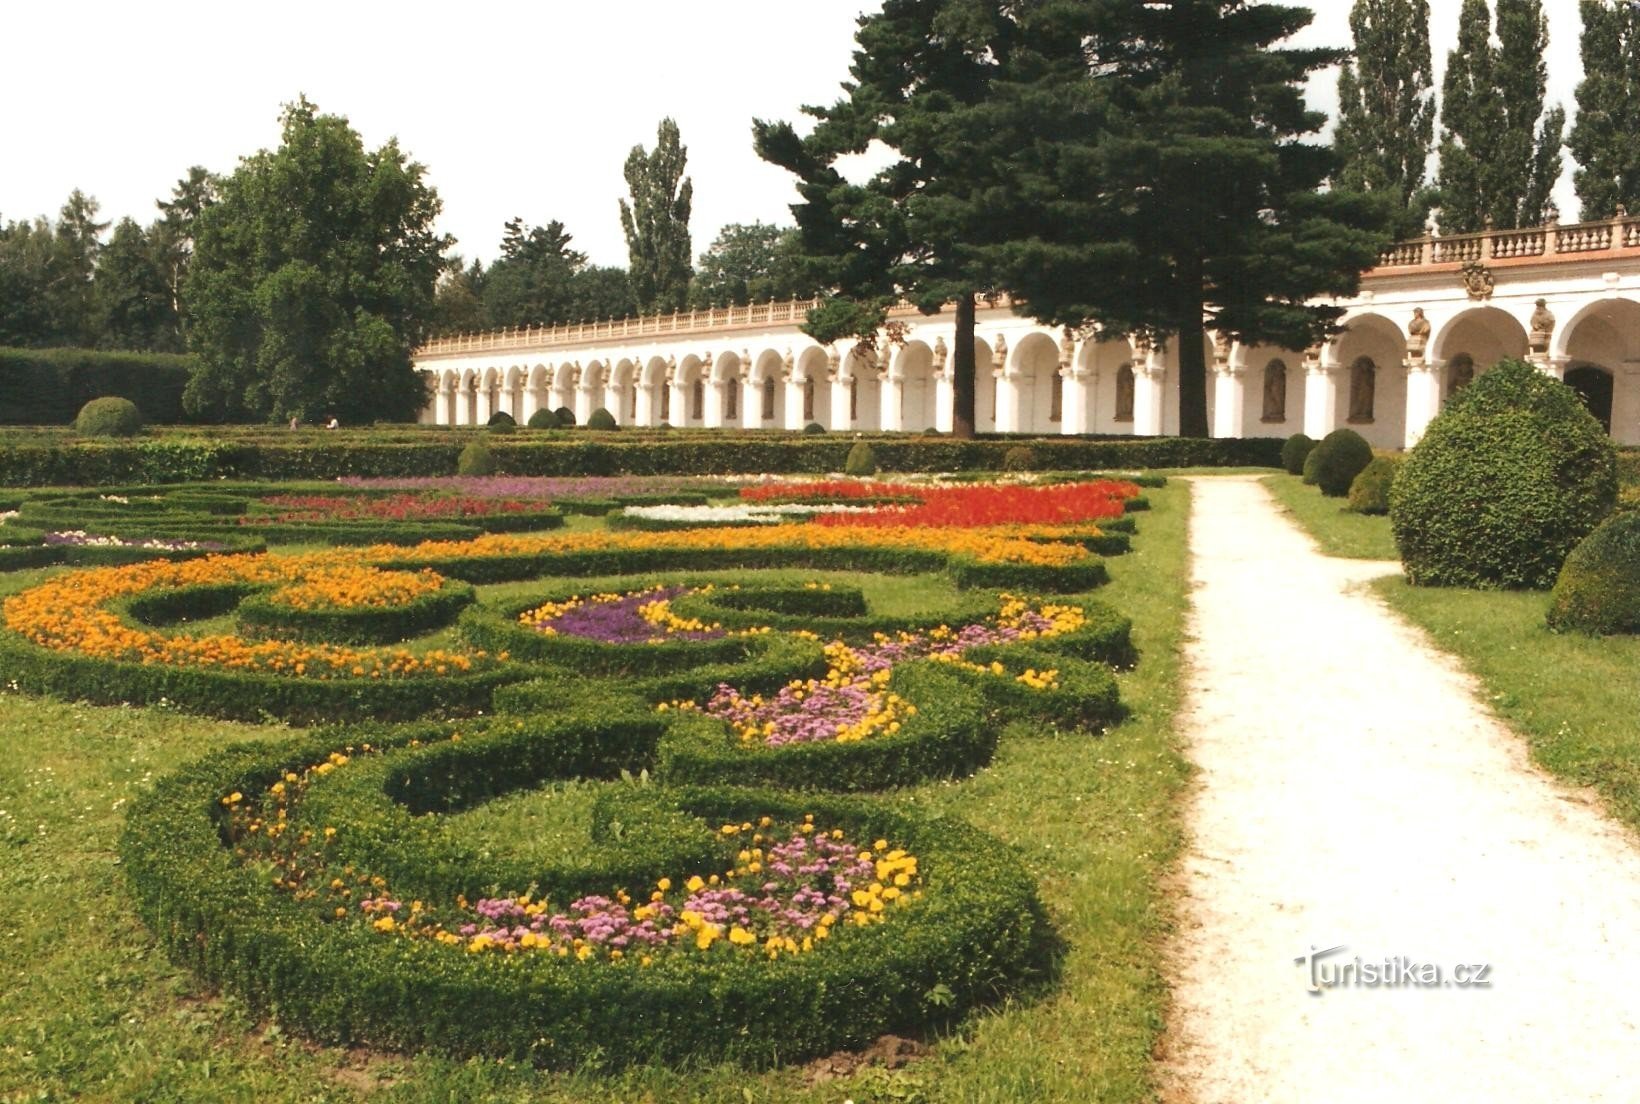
(865, 390)
(655, 403)
(919, 391)
(1605, 335)
(723, 404)
(1102, 359)
(1595, 385)
(513, 403)
(623, 392)
(449, 388)
(769, 390)
(816, 388)
(1036, 385)
(985, 388)
(1371, 384)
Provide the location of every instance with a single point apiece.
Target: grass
(1338, 531)
(92, 1011)
(1571, 696)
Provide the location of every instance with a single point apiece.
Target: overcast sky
(522, 109)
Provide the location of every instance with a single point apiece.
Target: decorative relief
(1477, 280)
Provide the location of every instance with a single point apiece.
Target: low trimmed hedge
(260, 615)
(327, 456)
(977, 931)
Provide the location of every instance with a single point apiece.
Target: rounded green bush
(1311, 467)
(476, 459)
(565, 416)
(931, 431)
(814, 427)
(602, 419)
(501, 420)
(1341, 456)
(1505, 483)
(1294, 451)
(543, 419)
(1598, 591)
(862, 460)
(1019, 458)
(110, 416)
(1369, 494)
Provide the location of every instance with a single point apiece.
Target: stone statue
(1417, 333)
(1543, 325)
(787, 363)
(1124, 393)
(1067, 348)
(940, 354)
(1275, 392)
(1363, 385)
(999, 355)
(833, 359)
(1221, 348)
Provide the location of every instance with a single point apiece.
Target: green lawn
(1337, 530)
(90, 1010)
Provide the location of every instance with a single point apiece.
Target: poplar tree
(1500, 152)
(656, 221)
(1386, 121)
(1608, 109)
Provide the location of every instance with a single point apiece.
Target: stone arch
(489, 399)
(768, 379)
(865, 389)
(816, 389)
(1377, 339)
(449, 385)
(656, 396)
(513, 402)
(1605, 335)
(1037, 387)
(919, 390)
(725, 380)
(623, 385)
(691, 381)
(467, 405)
(1101, 358)
(1489, 334)
(986, 387)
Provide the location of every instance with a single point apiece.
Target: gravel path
(1354, 791)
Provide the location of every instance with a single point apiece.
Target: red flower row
(969, 506)
(405, 507)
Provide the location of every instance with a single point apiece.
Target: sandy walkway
(1353, 792)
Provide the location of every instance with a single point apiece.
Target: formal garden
(591, 787)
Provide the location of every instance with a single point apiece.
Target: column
(945, 402)
(532, 402)
(841, 403)
(891, 402)
(712, 415)
(679, 415)
(1080, 388)
(1008, 404)
(794, 385)
(751, 400)
(1321, 387)
(1229, 399)
(447, 404)
(584, 403)
(1150, 394)
(648, 408)
(1423, 396)
(486, 402)
(613, 400)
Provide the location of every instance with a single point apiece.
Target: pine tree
(925, 73)
(656, 221)
(1386, 122)
(1197, 176)
(1500, 152)
(1608, 109)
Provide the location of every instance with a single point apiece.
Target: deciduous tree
(1608, 109)
(751, 263)
(312, 280)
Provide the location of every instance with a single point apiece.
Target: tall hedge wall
(61, 461)
(48, 386)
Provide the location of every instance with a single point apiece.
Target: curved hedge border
(977, 932)
(260, 615)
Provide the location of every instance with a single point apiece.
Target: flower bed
(283, 509)
(308, 878)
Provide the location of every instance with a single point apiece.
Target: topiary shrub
(602, 419)
(1340, 457)
(931, 431)
(543, 419)
(862, 460)
(1019, 458)
(502, 420)
(565, 416)
(1505, 483)
(1295, 451)
(1598, 591)
(814, 427)
(1369, 494)
(476, 459)
(1311, 464)
(108, 417)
